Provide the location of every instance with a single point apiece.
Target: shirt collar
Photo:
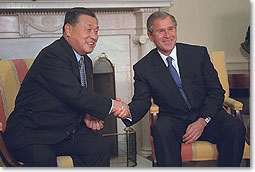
(78, 57)
(173, 55)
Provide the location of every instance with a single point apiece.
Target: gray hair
(157, 15)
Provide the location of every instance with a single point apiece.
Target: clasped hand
(93, 122)
(121, 109)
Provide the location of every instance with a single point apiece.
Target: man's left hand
(93, 123)
(194, 131)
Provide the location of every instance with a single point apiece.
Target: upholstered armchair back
(12, 73)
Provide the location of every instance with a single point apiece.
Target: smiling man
(56, 111)
(184, 84)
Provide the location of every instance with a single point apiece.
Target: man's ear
(68, 29)
(150, 36)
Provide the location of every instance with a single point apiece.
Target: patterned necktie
(82, 72)
(177, 79)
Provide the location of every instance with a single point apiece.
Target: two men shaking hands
(119, 109)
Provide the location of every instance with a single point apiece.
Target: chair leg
(247, 162)
(238, 114)
(154, 164)
(7, 158)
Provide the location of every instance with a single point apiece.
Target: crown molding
(93, 4)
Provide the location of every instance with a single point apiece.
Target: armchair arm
(228, 102)
(234, 107)
(7, 158)
(233, 104)
(154, 110)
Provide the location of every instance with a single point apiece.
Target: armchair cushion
(199, 151)
(64, 161)
(12, 73)
(204, 151)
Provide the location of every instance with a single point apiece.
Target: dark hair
(157, 15)
(72, 15)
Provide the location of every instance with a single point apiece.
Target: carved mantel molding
(66, 4)
(44, 18)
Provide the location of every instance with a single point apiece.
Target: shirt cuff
(129, 118)
(111, 106)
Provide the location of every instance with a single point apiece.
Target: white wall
(217, 24)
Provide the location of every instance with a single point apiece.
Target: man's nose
(93, 34)
(167, 33)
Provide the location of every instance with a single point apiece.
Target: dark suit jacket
(51, 102)
(200, 83)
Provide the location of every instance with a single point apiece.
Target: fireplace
(104, 84)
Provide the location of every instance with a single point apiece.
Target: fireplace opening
(123, 145)
(104, 84)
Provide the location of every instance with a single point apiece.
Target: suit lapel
(71, 54)
(183, 64)
(165, 76)
(87, 61)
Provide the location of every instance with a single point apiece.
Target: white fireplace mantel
(63, 4)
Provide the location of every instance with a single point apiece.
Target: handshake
(120, 110)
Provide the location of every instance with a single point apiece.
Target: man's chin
(89, 51)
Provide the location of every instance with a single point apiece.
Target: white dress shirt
(174, 61)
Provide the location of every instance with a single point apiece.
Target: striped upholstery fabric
(203, 151)
(199, 151)
(64, 161)
(12, 73)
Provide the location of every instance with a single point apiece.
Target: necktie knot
(169, 60)
(81, 61)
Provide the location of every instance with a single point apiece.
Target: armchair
(12, 73)
(203, 150)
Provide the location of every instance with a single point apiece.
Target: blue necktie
(82, 72)
(176, 79)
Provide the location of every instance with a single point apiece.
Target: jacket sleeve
(141, 100)
(214, 91)
(56, 73)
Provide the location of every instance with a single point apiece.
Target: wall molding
(66, 4)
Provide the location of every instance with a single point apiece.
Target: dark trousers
(86, 149)
(226, 131)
